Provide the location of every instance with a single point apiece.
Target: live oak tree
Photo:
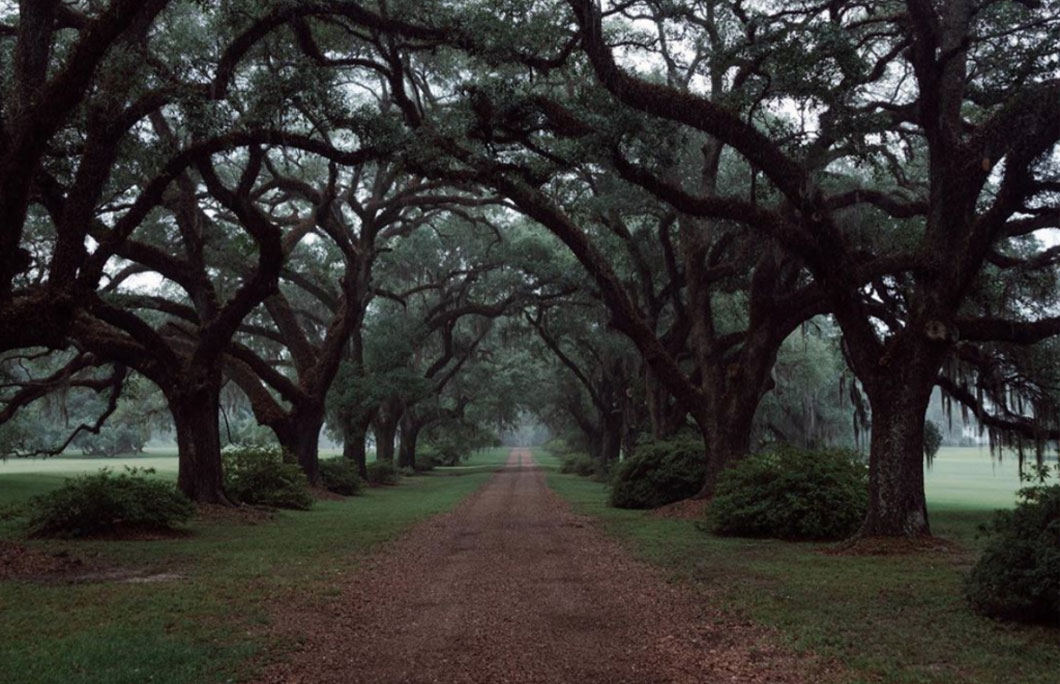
(450, 283)
(981, 127)
(75, 87)
(601, 363)
(511, 146)
(184, 352)
(95, 106)
(313, 319)
(927, 163)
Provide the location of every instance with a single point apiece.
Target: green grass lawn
(887, 619)
(209, 626)
(969, 478)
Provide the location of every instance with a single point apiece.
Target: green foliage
(113, 440)
(258, 475)
(577, 464)
(246, 431)
(659, 473)
(813, 401)
(791, 493)
(1018, 575)
(572, 459)
(427, 458)
(382, 473)
(440, 452)
(932, 439)
(339, 475)
(104, 502)
(451, 442)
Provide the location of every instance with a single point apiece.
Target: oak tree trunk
(305, 444)
(354, 439)
(195, 416)
(610, 440)
(385, 429)
(727, 439)
(897, 507)
(410, 432)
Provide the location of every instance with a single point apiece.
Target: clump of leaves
(659, 473)
(572, 458)
(1018, 575)
(932, 440)
(578, 464)
(791, 493)
(441, 452)
(339, 475)
(382, 473)
(258, 475)
(427, 458)
(105, 502)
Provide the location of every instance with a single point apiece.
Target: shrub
(659, 473)
(578, 464)
(791, 493)
(407, 471)
(340, 475)
(427, 458)
(382, 473)
(258, 475)
(104, 502)
(442, 452)
(557, 447)
(1018, 575)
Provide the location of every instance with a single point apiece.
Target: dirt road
(513, 587)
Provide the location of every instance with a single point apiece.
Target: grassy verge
(208, 626)
(887, 619)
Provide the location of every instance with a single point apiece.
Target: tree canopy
(765, 222)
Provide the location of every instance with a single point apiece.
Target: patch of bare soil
(892, 546)
(20, 562)
(227, 515)
(326, 495)
(511, 587)
(689, 509)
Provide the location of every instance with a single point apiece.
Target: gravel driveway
(512, 587)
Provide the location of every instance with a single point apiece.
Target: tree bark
(385, 430)
(354, 438)
(410, 432)
(727, 439)
(610, 440)
(304, 442)
(897, 506)
(200, 473)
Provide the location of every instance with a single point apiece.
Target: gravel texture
(513, 587)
